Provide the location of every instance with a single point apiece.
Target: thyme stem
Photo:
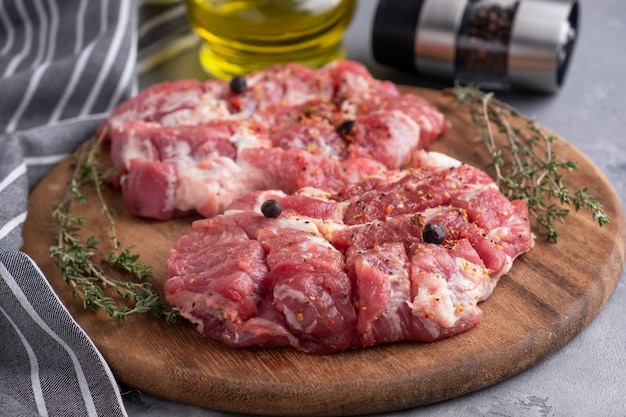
(75, 258)
(525, 165)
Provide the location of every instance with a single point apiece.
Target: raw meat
(191, 146)
(350, 268)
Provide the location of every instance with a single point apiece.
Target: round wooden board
(549, 296)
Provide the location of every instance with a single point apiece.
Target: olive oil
(245, 35)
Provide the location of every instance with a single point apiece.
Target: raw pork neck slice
(351, 268)
(190, 146)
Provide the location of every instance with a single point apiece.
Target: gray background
(587, 377)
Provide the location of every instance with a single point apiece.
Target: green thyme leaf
(525, 167)
(75, 257)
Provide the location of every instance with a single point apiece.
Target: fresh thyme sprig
(525, 166)
(76, 259)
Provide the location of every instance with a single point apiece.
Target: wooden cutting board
(549, 296)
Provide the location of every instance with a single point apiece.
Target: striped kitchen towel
(64, 65)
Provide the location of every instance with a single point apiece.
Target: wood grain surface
(549, 296)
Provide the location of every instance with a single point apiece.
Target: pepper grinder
(494, 44)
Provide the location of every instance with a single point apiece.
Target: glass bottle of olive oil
(245, 35)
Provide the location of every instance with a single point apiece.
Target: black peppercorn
(434, 233)
(238, 84)
(271, 208)
(345, 127)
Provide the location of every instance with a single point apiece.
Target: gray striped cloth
(64, 65)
